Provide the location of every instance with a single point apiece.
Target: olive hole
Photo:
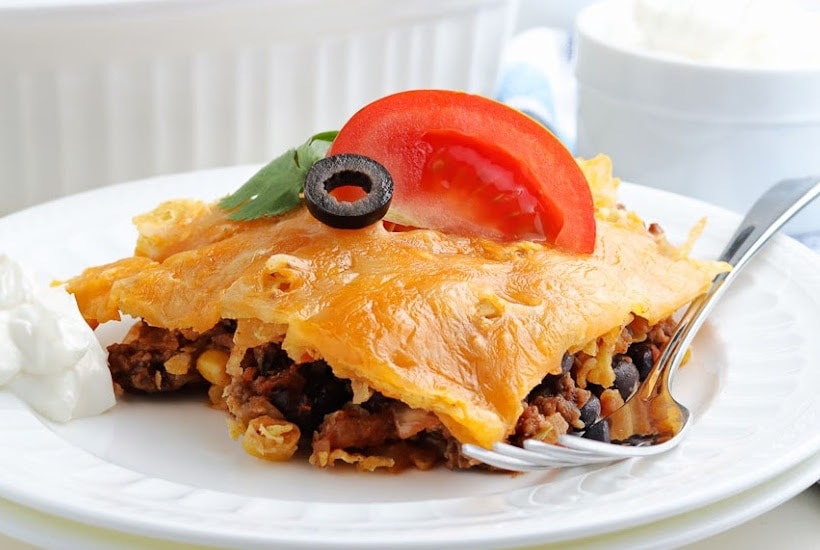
(347, 178)
(348, 186)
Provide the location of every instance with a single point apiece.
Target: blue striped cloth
(536, 78)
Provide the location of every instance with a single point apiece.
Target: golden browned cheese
(458, 326)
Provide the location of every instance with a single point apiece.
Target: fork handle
(768, 214)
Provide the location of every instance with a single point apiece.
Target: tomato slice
(469, 165)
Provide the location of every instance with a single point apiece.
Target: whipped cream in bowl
(774, 34)
(714, 100)
(752, 33)
(49, 357)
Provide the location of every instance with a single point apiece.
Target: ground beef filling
(156, 360)
(322, 407)
(335, 423)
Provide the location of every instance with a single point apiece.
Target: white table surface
(794, 524)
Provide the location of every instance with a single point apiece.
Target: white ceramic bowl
(94, 92)
(717, 132)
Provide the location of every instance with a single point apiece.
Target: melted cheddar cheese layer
(461, 327)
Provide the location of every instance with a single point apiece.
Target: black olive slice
(346, 170)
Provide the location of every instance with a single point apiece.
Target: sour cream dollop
(750, 33)
(49, 357)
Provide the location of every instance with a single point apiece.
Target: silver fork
(635, 433)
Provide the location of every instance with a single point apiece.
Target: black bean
(551, 384)
(304, 395)
(547, 388)
(626, 375)
(269, 358)
(642, 357)
(323, 392)
(566, 363)
(598, 432)
(591, 410)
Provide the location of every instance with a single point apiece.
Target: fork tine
(499, 460)
(570, 456)
(542, 459)
(600, 448)
(621, 451)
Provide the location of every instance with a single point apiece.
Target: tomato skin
(466, 164)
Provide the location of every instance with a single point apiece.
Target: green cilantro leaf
(276, 188)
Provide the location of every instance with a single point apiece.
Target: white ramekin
(719, 133)
(94, 92)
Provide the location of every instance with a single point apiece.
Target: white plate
(47, 531)
(168, 470)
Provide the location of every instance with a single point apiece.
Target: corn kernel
(178, 364)
(271, 439)
(211, 365)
